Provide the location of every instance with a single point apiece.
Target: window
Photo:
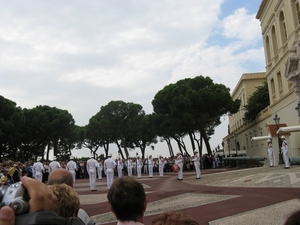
(268, 50)
(274, 41)
(273, 89)
(280, 86)
(283, 31)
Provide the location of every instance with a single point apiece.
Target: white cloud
(242, 26)
(82, 55)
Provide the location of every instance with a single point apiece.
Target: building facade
(279, 25)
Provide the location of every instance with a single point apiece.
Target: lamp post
(277, 120)
(298, 109)
(234, 137)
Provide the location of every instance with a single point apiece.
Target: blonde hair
(68, 202)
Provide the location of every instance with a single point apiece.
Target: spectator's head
(67, 200)
(60, 176)
(174, 218)
(127, 199)
(293, 219)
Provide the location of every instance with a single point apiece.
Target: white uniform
(139, 166)
(161, 164)
(72, 167)
(179, 162)
(100, 168)
(270, 154)
(37, 171)
(196, 161)
(53, 166)
(129, 167)
(109, 167)
(91, 166)
(285, 150)
(120, 168)
(150, 166)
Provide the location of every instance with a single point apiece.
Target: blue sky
(79, 56)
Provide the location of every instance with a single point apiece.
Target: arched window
(283, 31)
(268, 50)
(296, 11)
(274, 41)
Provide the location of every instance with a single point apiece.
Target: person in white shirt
(54, 165)
(120, 165)
(270, 152)
(150, 166)
(38, 169)
(129, 167)
(72, 167)
(179, 162)
(91, 166)
(161, 165)
(109, 167)
(196, 160)
(139, 166)
(100, 168)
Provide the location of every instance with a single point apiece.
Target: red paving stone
(250, 198)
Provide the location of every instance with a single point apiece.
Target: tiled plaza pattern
(260, 195)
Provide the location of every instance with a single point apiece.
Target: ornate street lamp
(298, 109)
(277, 120)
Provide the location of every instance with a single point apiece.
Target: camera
(16, 196)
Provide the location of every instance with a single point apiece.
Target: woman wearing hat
(270, 152)
(179, 162)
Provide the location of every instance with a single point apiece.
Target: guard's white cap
(283, 136)
(54, 157)
(269, 140)
(109, 155)
(71, 157)
(92, 156)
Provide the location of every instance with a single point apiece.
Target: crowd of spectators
(12, 172)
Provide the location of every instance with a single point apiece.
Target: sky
(80, 55)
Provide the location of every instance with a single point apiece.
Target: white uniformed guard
(129, 167)
(91, 166)
(38, 169)
(100, 168)
(54, 165)
(270, 152)
(139, 166)
(120, 167)
(150, 166)
(179, 162)
(161, 165)
(72, 167)
(285, 150)
(109, 167)
(196, 160)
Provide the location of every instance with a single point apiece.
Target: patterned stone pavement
(221, 196)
